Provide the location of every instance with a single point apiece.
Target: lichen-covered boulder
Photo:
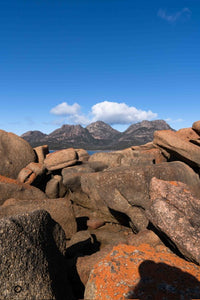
(15, 154)
(143, 272)
(85, 263)
(32, 264)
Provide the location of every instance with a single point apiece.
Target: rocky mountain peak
(98, 136)
(102, 131)
(33, 133)
(68, 131)
(34, 136)
(149, 125)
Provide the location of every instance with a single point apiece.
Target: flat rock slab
(32, 262)
(60, 159)
(143, 272)
(15, 154)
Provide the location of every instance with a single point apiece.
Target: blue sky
(78, 61)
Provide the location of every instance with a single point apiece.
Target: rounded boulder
(196, 127)
(60, 159)
(15, 154)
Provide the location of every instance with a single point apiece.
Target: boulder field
(116, 225)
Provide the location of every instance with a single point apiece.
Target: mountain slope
(34, 137)
(102, 131)
(96, 136)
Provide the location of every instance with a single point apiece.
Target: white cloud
(174, 121)
(119, 113)
(79, 119)
(65, 109)
(110, 112)
(70, 113)
(183, 14)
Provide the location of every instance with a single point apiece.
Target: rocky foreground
(118, 225)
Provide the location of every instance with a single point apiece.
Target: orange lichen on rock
(8, 180)
(129, 272)
(173, 183)
(5, 179)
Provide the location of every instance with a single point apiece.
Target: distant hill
(34, 137)
(96, 136)
(102, 131)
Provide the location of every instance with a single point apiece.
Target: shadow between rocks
(57, 266)
(121, 217)
(162, 281)
(77, 250)
(82, 223)
(166, 240)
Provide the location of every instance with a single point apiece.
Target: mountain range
(96, 136)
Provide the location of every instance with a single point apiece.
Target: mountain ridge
(96, 136)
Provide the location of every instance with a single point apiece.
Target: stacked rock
(101, 226)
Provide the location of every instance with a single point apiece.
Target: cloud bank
(65, 109)
(112, 113)
(119, 113)
(183, 14)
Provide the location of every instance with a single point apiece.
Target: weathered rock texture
(187, 134)
(126, 189)
(86, 263)
(196, 127)
(11, 188)
(129, 272)
(152, 190)
(60, 159)
(31, 172)
(176, 213)
(60, 210)
(32, 262)
(41, 152)
(15, 154)
(178, 147)
(72, 176)
(55, 187)
(139, 155)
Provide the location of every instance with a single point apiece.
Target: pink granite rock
(60, 159)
